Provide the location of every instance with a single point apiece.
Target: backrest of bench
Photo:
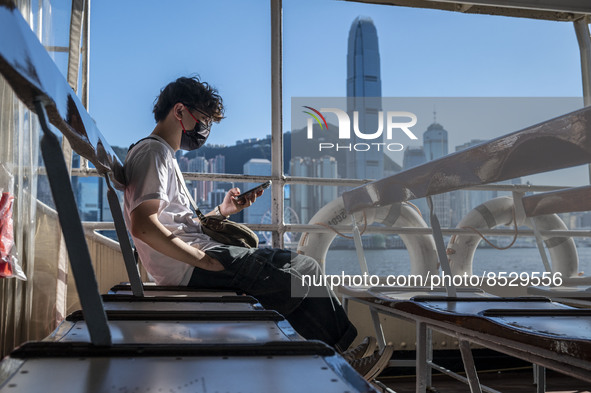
(576, 199)
(32, 74)
(554, 144)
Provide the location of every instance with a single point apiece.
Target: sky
(138, 47)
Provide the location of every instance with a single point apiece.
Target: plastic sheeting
(31, 310)
(18, 177)
(19, 157)
(9, 264)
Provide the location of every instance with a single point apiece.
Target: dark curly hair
(191, 92)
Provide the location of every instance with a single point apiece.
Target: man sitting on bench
(175, 251)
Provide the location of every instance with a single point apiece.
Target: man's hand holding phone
(235, 201)
(257, 191)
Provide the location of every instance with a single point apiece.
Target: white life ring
(421, 248)
(499, 211)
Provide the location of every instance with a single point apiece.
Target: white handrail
(318, 181)
(108, 225)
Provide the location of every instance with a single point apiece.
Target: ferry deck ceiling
(557, 10)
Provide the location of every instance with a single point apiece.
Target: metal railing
(282, 227)
(278, 227)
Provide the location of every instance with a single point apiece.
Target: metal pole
(421, 359)
(85, 67)
(584, 40)
(277, 121)
(469, 367)
(377, 325)
(359, 247)
(76, 18)
(86, 55)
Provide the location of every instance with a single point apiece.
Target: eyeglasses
(202, 125)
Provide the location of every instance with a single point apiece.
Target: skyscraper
(364, 91)
(201, 188)
(260, 167)
(307, 200)
(326, 167)
(218, 164)
(413, 156)
(435, 146)
(300, 195)
(435, 142)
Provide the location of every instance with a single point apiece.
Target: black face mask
(195, 138)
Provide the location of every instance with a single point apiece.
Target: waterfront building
(307, 200)
(257, 167)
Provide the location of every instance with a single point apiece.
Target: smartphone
(256, 189)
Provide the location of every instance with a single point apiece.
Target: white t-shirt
(150, 174)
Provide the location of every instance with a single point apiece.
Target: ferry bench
(204, 315)
(86, 355)
(546, 333)
(39, 84)
(40, 89)
(241, 318)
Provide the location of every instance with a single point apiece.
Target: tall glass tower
(435, 142)
(364, 92)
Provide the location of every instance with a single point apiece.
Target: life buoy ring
(421, 248)
(499, 211)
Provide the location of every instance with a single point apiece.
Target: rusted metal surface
(570, 324)
(570, 355)
(570, 200)
(410, 293)
(558, 10)
(474, 306)
(562, 142)
(32, 74)
(522, 327)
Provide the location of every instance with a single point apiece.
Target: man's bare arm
(146, 227)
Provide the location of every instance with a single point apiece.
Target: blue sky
(138, 47)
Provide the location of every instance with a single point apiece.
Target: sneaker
(365, 348)
(371, 366)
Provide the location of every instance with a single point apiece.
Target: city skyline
(460, 202)
(418, 61)
(424, 53)
(467, 118)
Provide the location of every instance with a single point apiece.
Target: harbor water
(397, 262)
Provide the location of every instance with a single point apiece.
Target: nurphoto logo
(398, 123)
